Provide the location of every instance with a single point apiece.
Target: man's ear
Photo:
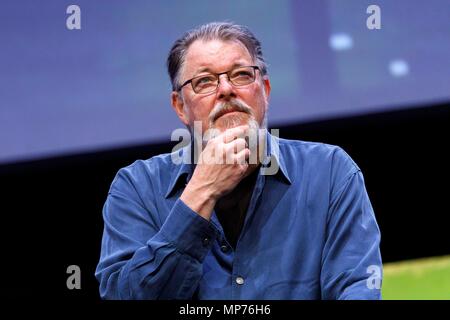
(178, 106)
(267, 88)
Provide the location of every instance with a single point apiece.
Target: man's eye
(205, 80)
(243, 73)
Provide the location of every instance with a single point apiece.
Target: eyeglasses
(208, 83)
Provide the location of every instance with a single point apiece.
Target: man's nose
(225, 88)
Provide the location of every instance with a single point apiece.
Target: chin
(228, 121)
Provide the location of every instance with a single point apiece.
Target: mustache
(229, 106)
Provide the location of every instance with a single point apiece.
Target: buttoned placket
(238, 273)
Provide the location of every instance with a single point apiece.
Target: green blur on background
(422, 279)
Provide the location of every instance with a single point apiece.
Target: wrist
(199, 199)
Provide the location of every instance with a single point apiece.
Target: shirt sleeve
(351, 260)
(141, 259)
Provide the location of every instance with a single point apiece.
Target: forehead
(215, 56)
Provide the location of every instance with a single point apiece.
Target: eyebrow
(203, 69)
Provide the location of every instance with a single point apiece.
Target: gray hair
(225, 31)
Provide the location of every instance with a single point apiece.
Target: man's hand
(222, 165)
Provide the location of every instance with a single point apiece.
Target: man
(229, 230)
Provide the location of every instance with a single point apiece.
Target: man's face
(218, 56)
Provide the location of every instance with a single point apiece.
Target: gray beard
(256, 145)
(231, 122)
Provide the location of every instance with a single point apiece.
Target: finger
(237, 145)
(230, 149)
(233, 133)
(242, 157)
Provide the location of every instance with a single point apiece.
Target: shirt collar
(273, 164)
(183, 170)
(274, 153)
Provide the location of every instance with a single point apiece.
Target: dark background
(51, 209)
(76, 106)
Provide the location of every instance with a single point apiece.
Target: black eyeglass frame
(217, 76)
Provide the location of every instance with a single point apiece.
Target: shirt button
(224, 248)
(240, 280)
(205, 241)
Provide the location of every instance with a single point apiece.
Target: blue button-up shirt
(309, 233)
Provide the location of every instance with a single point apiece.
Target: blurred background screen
(78, 105)
(105, 86)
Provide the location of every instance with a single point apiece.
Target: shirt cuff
(188, 231)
